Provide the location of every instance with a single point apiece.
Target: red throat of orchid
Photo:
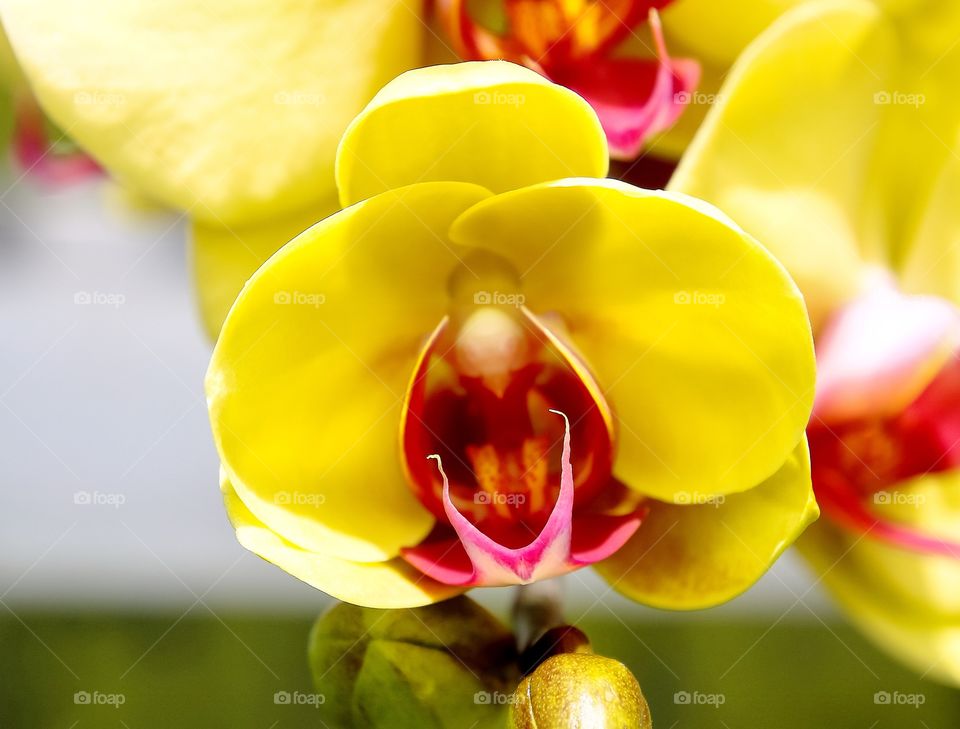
(522, 441)
(571, 42)
(887, 410)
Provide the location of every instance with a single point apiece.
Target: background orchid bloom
(836, 144)
(482, 276)
(37, 147)
(574, 44)
(615, 54)
(228, 111)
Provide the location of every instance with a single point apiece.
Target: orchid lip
(473, 558)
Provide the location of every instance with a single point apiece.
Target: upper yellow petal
(307, 379)
(685, 557)
(697, 336)
(231, 110)
(492, 123)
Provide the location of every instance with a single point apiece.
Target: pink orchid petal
(444, 560)
(634, 98)
(880, 352)
(597, 536)
(936, 416)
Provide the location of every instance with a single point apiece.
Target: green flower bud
(580, 691)
(450, 665)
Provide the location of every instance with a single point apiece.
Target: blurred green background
(198, 670)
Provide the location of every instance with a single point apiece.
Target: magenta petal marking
(635, 98)
(853, 514)
(547, 555)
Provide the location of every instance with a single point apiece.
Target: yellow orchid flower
(228, 111)
(836, 144)
(494, 366)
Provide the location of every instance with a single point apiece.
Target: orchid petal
(307, 379)
(388, 585)
(231, 110)
(906, 601)
(546, 556)
(470, 122)
(687, 323)
(224, 257)
(880, 352)
(800, 99)
(634, 98)
(694, 554)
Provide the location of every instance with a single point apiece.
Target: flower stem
(537, 608)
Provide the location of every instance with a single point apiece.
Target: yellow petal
(932, 261)
(787, 149)
(231, 110)
(697, 336)
(224, 257)
(391, 584)
(492, 123)
(307, 379)
(715, 33)
(704, 552)
(908, 602)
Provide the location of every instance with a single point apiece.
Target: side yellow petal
(907, 602)
(388, 585)
(695, 333)
(225, 256)
(307, 380)
(686, 557)
(231, 110)
(491, 123)
(787, 149)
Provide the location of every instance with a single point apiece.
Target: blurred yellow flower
(482, 275)
(836, 143)
(228, 111)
